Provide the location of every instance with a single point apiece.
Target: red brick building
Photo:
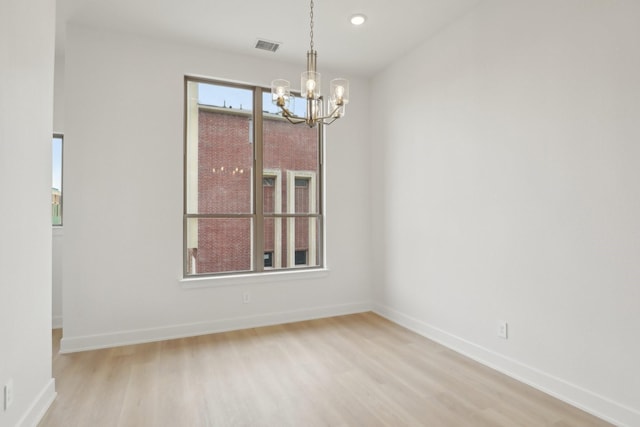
(290, 184)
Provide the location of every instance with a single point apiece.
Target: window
(56, 180)
(268, 182)
(301, 257)
(302, 182)
(268, 259)
(252, 183)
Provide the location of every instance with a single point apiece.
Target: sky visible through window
(222, 96)
(56, 179)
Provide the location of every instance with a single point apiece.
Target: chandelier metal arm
(292, 118)
(296, 120)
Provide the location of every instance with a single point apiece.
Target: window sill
(251, 278)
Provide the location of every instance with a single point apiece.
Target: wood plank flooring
(357, 370)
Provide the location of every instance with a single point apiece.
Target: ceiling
(393, 26)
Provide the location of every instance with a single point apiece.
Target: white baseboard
(56, 322)
(39, 406)
(579, 397)
(139, 336)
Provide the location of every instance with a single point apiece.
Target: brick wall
(225, 156)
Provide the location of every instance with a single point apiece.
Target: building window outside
(268, 182)
(251, 203)
(268, 259)
(56, 180)
(301, 257)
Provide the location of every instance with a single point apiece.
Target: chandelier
(310, 90)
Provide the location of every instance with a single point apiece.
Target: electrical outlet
(246, 297)
(8, 394)
(503, 329)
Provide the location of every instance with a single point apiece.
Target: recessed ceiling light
(358, 19)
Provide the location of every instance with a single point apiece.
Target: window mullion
(258, 229)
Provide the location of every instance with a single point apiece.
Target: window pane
(301, 257)
(271, 191)
(222, 143)
(219, 149)
(302, 197)
(307, 232)
(291, 158)
(218, 245)
(274, 241)
(56, 181)
(294, 242)
(268, 259)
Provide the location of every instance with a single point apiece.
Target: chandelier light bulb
(311, 85)
(340, 92)
(280, 92)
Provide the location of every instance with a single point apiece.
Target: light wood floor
(357, 370)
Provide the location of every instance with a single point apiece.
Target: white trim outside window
(291, 222)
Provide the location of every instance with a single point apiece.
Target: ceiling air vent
(267, 45)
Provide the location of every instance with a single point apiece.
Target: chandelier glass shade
(311, 92)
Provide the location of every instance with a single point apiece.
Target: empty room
(320, 213)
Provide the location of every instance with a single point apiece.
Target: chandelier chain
(311, 26)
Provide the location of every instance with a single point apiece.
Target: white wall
(58, 95)
(56, 277)
(506, 155)
(26, 98)
(58, 232)
(123, 199)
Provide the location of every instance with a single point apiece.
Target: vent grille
(267, 45)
